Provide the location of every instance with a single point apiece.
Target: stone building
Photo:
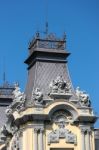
(50, 114)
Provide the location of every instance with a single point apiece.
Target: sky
(20, 19)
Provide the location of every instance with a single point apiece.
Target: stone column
(83, 139)
(41, 139)
(35, 139)
(88, 147)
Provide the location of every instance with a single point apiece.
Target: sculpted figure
(17, 103)
(17, 93)
(83, 97)
(37, 96)
(59, 85)
(8, 112)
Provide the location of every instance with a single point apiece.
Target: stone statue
(37, 96)
(8, 111)
(83, 97)
(17, 93)
(17, 103)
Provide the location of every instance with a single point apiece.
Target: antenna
(4, 74)
(46, 17)
(46, 31)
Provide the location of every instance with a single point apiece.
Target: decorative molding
(83, 97)
(59, 88)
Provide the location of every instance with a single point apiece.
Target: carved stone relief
(60, 87)
(62, 119)
(57, 134)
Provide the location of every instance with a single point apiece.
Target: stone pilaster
(35, 139)
(88, 146)
(83, 139)
(41, 139)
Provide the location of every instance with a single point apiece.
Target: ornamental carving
(7, 130)
(60, 87)
(18, 102)
(3, 136)
(37, 96)
(83, 97)
(55, 136)
(18, 95)
(16, 141)
(62, 118)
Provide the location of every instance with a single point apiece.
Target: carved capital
(83, 131)
(36, 130)
(41, 130)
(88, 131)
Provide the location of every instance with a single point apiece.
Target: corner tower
(50, 114)
(47, 60)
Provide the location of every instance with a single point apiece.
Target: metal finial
(64, 36)
(4, 73)
(46, 31)
(37, 34)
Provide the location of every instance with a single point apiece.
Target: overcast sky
(20, 19)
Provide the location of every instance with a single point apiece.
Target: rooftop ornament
(48, 42)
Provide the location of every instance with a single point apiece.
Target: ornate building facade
(50, 114)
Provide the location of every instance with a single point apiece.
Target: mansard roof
(6, 97)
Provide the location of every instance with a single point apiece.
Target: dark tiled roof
(3, 117)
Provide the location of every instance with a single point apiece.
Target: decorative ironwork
(49, 42)
(6, 90)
